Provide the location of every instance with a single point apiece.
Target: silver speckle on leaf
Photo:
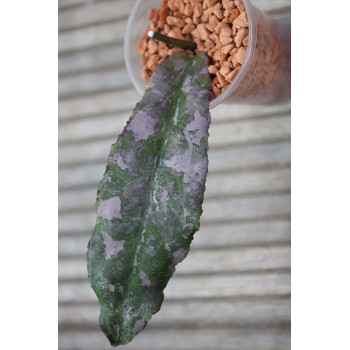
(142, 130)
(110, 208)
(200, 127)
(179, 255)
(112, 247)
(139, 325)
(144, 279)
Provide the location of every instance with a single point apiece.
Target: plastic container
(264, 76)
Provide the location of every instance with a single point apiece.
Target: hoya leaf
(150, 198)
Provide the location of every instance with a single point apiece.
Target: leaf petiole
(184, 44)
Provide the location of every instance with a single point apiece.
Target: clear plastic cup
(264, 76)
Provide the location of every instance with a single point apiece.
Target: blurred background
(233, 290)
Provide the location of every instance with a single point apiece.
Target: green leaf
(150, 198)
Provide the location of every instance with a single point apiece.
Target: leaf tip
(120, 329)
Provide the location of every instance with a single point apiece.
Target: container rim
(127, 56)
(237, 80)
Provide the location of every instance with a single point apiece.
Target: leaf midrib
(167, 128)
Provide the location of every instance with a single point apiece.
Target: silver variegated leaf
(150, 198)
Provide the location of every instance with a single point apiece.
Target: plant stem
(184, 44)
